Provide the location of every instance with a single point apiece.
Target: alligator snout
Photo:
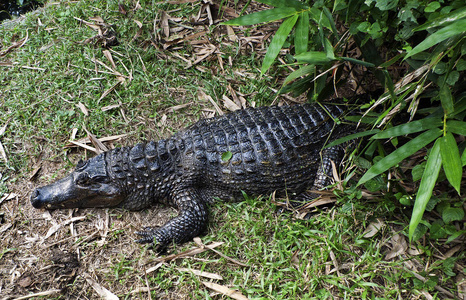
(36, 199)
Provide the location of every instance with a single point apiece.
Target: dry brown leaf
(105, 108)
(78, 144)
(231, 34)
(164, 24)
(8, 197)
(99, 289)
(139, 23)
(16, 45)
(109, 90)
(56, 227)
(190, 252)
(3, 153)
(225, 290)
(97, 19)
(177, 107)
(83, 109)
(40, 294)
(100, 147)
(373, 228)
(229, 104)
(461, 284)
(7, 63)
(35, 171)
(399, 246)
(201, 273)
(203, 96)
(86, 140)
(108, 55)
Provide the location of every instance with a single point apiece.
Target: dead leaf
(56, 227)
(164, 23)
(105, 108)
(399, 246)
(86, 140)
(225, 290)
(100, 147)
(201, 273)
(3, 153)
(97, 19)
(109, 90)
(139, 23)
(373, 228)
(204, 96)
(16, 45)
(461, 284)
(177, 107)
(83, 109)
(99, 289)
(229, 104)
(121, 9)
(190, 252)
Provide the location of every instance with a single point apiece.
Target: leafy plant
(433, 52)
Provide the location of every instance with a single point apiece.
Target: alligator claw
(148, 237)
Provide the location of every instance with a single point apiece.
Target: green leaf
(451, 160)
(451, 214)
(401, 153)
(304, 70)
(301, 39)
(456, 28)
(443, 20)
(429, 178)
(408, 128)
(226, 156)
(357, 61)
(329, 16)
(285, 3)
(446, 99)
(313, 57)
(351, 137)
(463, 158)
(457, 127)
(262, 16)
(277, 42)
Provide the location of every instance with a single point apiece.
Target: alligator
(256, 151)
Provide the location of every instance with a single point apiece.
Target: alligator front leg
(190, 222)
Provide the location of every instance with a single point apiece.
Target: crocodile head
(88, 186)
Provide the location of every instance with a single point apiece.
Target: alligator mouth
(66, 194)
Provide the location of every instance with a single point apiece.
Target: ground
(135, 72)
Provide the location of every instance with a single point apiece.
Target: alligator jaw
(65, 193)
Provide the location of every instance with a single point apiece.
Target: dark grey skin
(272, 149)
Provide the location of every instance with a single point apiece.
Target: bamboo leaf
(351, 137)
(446, 99)
(401, 153)
(262, 16)
(463, 158)
(304, 70)
(301, 39)
(458, 27)
(357, 61)
(451, 17)
(457, 127)
(285, 3)
(451, 160)
(329, 16)
(408, 128)
(429, 178)
(277, 42)
(313, 57)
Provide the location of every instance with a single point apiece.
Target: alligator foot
(148, 236)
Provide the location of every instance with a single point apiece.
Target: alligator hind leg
(190, 222)
(323, 178)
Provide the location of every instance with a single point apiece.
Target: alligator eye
(83, 179)
(81, 164)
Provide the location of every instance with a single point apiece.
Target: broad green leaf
(401, 153)
(313, 57)
(351, 137)
(304, 70)
(285, 3)
(357, 61)
(429, 178)
(263, 16)
(301, 39)
(329, 16)
(457, 127)
(408, 128)
(277, 42)
(328, 47)
(226, 156)
(451, 160)
(451, 17)
(458, 27)
(446, 99)
(451, 214)
(463, 158)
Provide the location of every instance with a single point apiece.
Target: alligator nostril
(36, 200)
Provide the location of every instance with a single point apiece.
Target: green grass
(286, 258)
